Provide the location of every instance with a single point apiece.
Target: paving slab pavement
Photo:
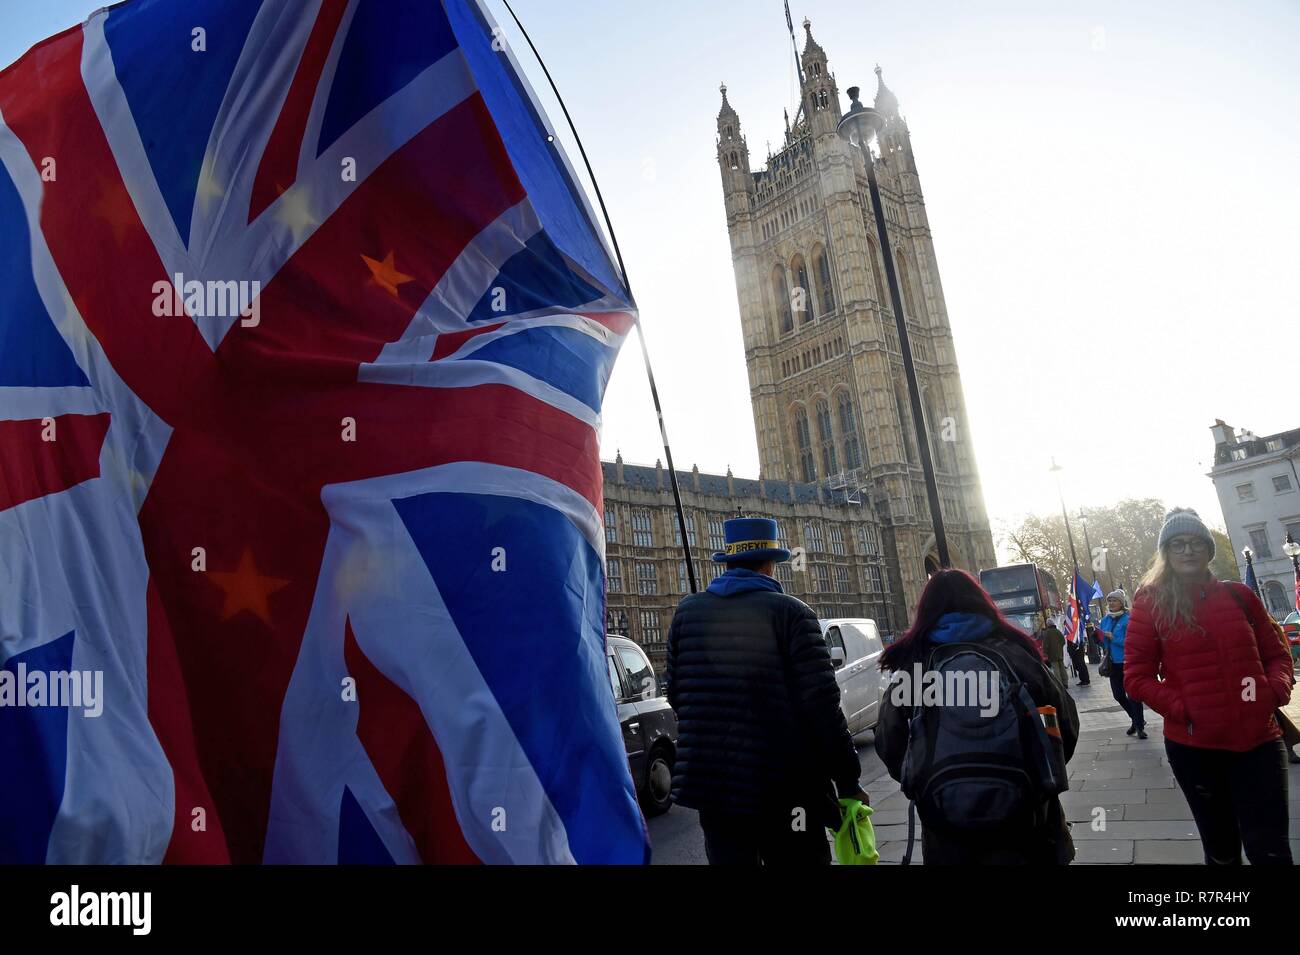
(1146, 818)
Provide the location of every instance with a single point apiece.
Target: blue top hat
(750, 539)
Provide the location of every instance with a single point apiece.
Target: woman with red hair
(985, 775)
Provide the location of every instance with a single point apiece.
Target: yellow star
(73, 325)
(116, 208)
(386, 275)
(293, 210)
(130, 477)
(247, 589)
(208, 187)
(366, 573)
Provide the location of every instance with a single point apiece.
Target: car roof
(836, 621)
(614, 640)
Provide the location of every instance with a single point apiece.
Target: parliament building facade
(836, 441)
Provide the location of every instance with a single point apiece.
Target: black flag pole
(645, 352)
(798, 67)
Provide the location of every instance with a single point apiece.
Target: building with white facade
(1258, 482)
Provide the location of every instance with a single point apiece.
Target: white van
(855, 648)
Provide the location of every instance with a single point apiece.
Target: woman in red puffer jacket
(1203, 653)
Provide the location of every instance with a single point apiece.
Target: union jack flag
(1078, 614)
(1072, 631)
(337, 551)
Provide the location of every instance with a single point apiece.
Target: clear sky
(1111, 186)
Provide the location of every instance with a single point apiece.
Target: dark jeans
(1094, 650)
(763, 840)
(1132, 707)
(1236, 799)
(1079, 657)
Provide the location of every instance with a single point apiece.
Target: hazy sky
(1112, 188)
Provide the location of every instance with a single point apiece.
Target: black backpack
(971, 772)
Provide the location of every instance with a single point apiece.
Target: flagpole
(798, 67)
(1055, 469)
(1087, 545)
(645, 352)
(1251, 580)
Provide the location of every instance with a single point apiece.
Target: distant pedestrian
(1114, 631)
(763, 748)
(1054, 650)
(993, 799)
(1077, 649)
(1094, 643)
(1206, 656)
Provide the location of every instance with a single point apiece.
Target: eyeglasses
(1182, 545)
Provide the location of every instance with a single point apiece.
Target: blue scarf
(960, 627)
(742, 580)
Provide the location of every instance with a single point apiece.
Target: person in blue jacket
(1114, 627)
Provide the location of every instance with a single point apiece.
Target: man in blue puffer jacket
(761, 736)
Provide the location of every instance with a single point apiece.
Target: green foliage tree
(1127, 530)
(1224, 565)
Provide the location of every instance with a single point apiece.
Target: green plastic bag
(855, 842)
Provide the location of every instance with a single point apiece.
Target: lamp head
(860, 123)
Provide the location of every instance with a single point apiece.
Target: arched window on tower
(849, 432)
(822, 269)
(905, 422)
(882, 294)
(803, 296)
(941, 450)
(905, 281)
(782, 295)
(803, 443)
(936, 455)
(824, 435)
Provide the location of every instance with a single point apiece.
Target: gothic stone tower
(825, 372)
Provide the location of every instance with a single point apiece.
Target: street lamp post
(1292, 550)
(858, 127)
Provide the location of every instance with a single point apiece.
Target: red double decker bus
(1026, 594)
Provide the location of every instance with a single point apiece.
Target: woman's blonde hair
(1170, 602)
